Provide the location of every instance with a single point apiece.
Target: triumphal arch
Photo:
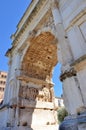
(50, 32)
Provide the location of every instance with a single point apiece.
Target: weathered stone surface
(28, 128)
(74, 123)
(53, 31)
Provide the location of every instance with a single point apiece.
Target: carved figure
(44, 95)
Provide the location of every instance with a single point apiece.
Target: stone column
(63, 43)
(80, 66)
(72, 96)
(71, 91)
(12, 77)
(7, 84)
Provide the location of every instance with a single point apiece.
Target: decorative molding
(28, 21)
(77, 19)
(68, 74)
(80, 63)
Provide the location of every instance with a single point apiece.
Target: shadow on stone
(74, 123)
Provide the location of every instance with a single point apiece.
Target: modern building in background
(3, 76)
(59, 102)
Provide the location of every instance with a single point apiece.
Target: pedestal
(75, 122)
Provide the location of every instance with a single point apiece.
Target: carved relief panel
(44, 95)
(28, 93)
(35, 94)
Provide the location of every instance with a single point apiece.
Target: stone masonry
(49, 32)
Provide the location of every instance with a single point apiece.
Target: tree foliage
(61, 113)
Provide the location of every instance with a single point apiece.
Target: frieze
(34, 94)
(29, 93)
(18, 33)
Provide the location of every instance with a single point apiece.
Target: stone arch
(40, 51)
(41, 56)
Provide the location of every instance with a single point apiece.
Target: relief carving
(29, 93)
(44, 95)
(34, 94)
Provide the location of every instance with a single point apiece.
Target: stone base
(50, 127)
(74, 122)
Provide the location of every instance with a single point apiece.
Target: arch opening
(40, 57)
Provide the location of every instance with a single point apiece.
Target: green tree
(61, 113)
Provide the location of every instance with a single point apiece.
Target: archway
(41, 57)
(40, 50)
(36, 87)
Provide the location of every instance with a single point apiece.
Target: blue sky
(10, 13)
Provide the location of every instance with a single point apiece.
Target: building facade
(3, 77)
(59, 102)
(49, 32)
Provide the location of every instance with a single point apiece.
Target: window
(1, 89)
(2, 76)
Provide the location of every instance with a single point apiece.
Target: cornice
(76, 66)
(27, 13)
(9, 52)
(17, 35)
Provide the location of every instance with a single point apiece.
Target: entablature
(34, 16)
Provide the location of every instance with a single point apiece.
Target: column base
(77, 122)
